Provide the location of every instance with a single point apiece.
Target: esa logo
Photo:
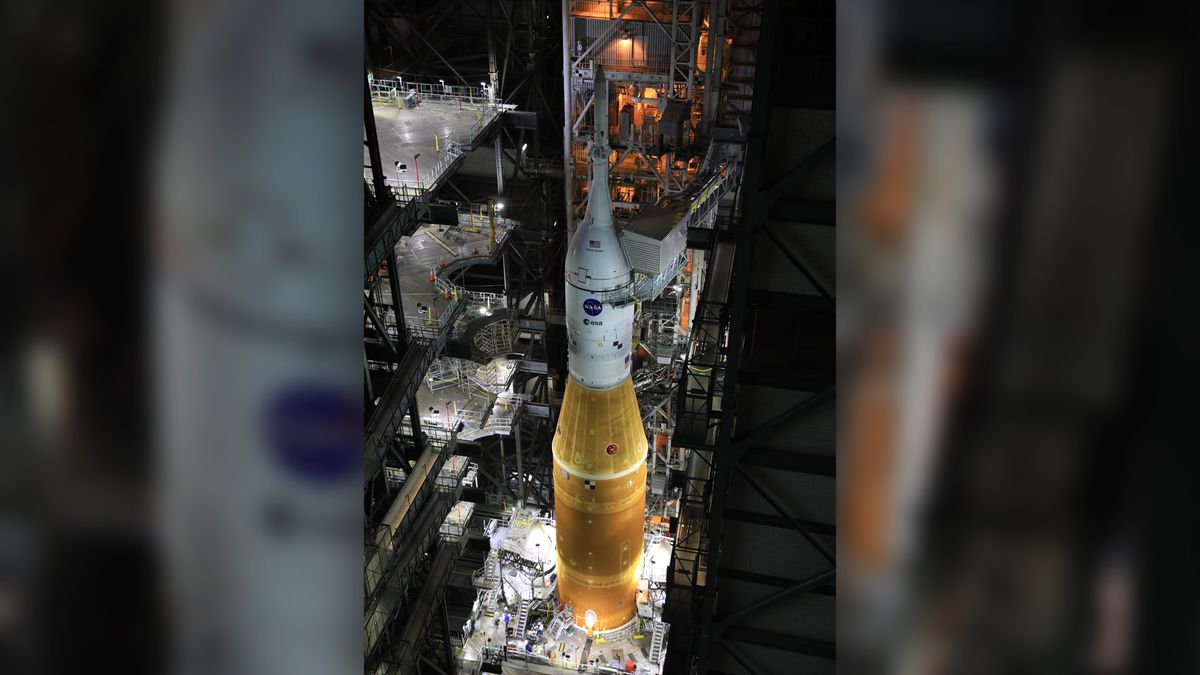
(592, 306)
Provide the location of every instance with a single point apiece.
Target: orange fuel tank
(600, 499)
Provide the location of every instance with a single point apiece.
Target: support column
(712, 69)
(491, 43)
(445, 616)
(695, 40)
(367, 379)
(381, 191)
(397, 304)
(499, 168)
(503, 477)
(508, 301)
(414, 420)
(522, 486)
(568, 162)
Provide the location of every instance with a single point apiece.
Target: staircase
(486, 576)
(656, 645)
(523, 618)
(560, 622)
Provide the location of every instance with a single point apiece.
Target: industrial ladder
(656, 645)
(487, 576)
(523, 618)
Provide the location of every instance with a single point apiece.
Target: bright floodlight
(589, 619)
(523, 146)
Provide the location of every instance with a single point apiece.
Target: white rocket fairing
(598, 276)
(600, 444)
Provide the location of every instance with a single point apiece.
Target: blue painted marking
(315, 432)
(592, 306)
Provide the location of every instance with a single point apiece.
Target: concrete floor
(404, 133)
(424, 252)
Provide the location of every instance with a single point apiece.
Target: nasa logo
(592, 306)
(313, 430)
(611, 449)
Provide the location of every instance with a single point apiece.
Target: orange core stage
(600, 500)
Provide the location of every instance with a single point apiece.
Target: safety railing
(643, 287)
(558, 662)
(561, 621)
(449, 371)
(487, 576)
(703, 205)
(611, 9)
(649, 288)
(450, 478)
(429, 322)
(615, 61)
(405, 190)
(441, 375)
(484, 376)
(497, 337)
(398, 92)
(504, 413)
(481, 299)
(395, 476)
(401, 94)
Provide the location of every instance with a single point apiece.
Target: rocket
(599, 444)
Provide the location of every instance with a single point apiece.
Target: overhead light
(523, 146)
(625, 36)
(499, 206)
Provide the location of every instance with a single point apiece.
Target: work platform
(427, 129)
(456, 391)
(425, 259)
(422, 137)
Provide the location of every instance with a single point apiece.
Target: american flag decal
(594, 243)
(589, 484)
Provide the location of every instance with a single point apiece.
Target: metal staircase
(656, 644)
(523, 618)
(560, 622)
(486, 576)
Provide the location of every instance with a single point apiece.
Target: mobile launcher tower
(600, 443)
